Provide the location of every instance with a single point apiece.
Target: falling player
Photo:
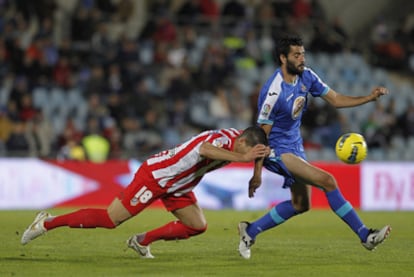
(171, 177)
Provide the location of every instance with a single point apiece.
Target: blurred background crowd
(117, 79)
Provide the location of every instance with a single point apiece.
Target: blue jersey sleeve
(317, 86)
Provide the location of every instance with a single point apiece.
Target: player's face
(241, 147)
(295, 62)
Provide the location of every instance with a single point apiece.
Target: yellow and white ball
(351, 148)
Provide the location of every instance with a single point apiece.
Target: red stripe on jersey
(182, 167)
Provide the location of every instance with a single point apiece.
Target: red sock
(84, 218)
(171, 231)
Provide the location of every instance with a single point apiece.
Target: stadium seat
(40, 97)
(4, 95)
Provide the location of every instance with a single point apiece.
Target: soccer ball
(351, 148)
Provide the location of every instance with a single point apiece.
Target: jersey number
(142, 196)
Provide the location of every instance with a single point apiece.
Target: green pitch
(313, 244)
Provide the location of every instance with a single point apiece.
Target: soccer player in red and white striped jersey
(170, 176)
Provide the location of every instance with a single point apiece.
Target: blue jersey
(282, 105)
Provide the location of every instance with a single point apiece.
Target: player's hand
(258, 151)
(254, 184)
(377, 92)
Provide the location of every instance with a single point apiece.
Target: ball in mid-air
(351, 148)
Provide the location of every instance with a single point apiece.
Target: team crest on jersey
(171, 152)
(219, 142)
(134, 201)
(304, 88)
(298, 106)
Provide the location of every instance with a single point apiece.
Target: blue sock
(277, 215)
(347, 213)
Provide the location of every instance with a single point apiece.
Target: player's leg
(302, 170)
(299, 203)
(109, 218)
(191, 221)
(130, 201)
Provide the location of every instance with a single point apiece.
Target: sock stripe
(344, 209)
(275, 216)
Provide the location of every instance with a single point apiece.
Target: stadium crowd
(92, 80)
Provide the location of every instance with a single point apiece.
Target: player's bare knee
(197, 231)
(116, 223)
(328, 183)
(118, 218)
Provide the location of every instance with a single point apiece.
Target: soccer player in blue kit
(281, 104)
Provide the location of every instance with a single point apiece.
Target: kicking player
(170, 176)
(281, 103)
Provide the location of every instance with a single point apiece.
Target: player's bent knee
(196, 231)
(329, 183)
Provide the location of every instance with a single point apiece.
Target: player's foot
(143, 251)
(245, 240)
(376, 237)
(35, 229)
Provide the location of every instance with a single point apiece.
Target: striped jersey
(181, 168)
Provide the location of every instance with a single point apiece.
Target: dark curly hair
(283, 45)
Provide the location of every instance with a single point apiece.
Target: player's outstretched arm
(340, 100)
(216, 153)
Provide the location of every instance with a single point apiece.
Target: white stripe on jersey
(182, 166)
(272, 95)
(190, 178)
(188, 160)
(316, 76)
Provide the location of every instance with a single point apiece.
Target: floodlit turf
(314, 244)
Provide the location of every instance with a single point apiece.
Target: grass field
(314, 244)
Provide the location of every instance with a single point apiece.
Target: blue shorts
(275, 164)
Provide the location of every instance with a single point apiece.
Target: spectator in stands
(96, 146)
(41, 134)
(302, 9)
(239, 107)
(165, 30)
(139, 100)
(70, 132)
(62, 72)
(233, 10)
(27, 111)
(82, 25)
(72, 151)
(152, 132)
(405, 121)
(189, 13)
(17, 144)
(6, 127)
(377, 127)
(386, 50)
(210, 10)
(219, 108)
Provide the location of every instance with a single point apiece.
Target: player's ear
(282, 58)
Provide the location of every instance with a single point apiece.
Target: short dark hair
(283, 45)
(254, 135)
